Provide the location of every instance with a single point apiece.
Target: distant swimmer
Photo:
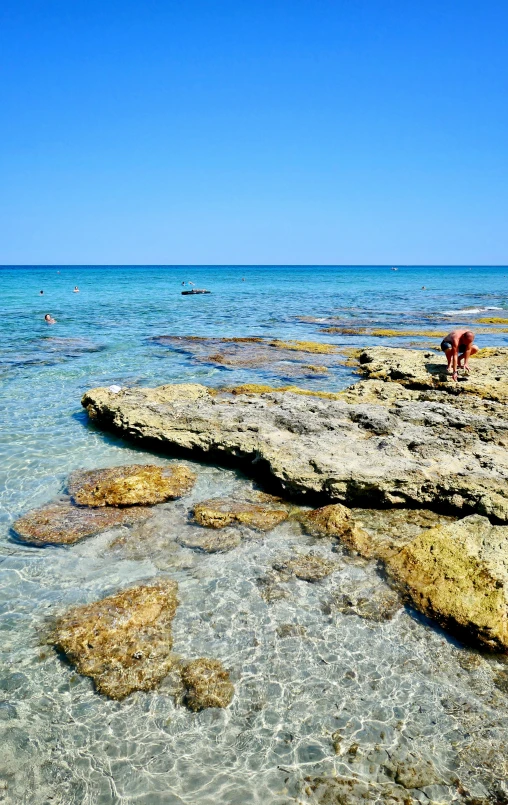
(49, 319)
(458, 347)
(183, 283)
(191, 283)
(243, 279)
(76, 289)
(41, 292)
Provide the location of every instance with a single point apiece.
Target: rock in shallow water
(211, 542)
(458, 575)
(122, 642)
(207, 684)
(307, 567)
(61, 523)
(130, 485)
(374, 601)
(221, 512)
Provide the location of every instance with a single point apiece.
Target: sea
(379, 688)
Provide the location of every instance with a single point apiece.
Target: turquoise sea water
(64, 743)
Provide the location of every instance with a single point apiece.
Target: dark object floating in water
(194, 290)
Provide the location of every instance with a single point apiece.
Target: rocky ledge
(404, 436)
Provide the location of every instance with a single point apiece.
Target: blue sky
(277, 131)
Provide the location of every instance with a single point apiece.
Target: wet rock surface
(130, 485)
(122, 642)
(222, 512)
(62, 523)
(458, 575)
(207, 684)
(440, 452)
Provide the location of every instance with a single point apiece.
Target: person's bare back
(458, 347)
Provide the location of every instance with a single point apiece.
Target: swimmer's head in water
(47, 317)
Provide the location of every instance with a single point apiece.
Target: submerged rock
(353, 791)
(130, 485)
(337, 521)
(211, 542)
(374, 601)
(221, 512)
(61, 523)
(404, 452)
(207, 684)
(308, 567)
(281, 358)
(458, 575)
(122, 642)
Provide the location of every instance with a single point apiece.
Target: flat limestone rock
(62, 523)
(457, 574)
(405, 453)
(207, 684)
(221, 512)
(122, 642)
(337, 521)
(130, 485)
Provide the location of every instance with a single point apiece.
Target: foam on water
(317, 691)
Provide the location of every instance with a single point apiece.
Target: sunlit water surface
(380, 686)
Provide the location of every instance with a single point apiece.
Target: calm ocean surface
(64, 744)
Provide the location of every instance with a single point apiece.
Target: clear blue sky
(276, 131)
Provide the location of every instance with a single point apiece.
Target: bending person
(458, 347)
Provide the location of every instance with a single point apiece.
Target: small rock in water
(211, 542)
(308, 567)
(130, 485)
(207, 684)
(61, 523)
(122, 642)
(221, 512)
(337, 521)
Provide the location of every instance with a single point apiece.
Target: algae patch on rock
(207, 684)
(221, 512)
(122, 642)
(61, 523)
(458, 575)
(130, 485)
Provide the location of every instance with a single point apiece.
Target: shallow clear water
(382, 686)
